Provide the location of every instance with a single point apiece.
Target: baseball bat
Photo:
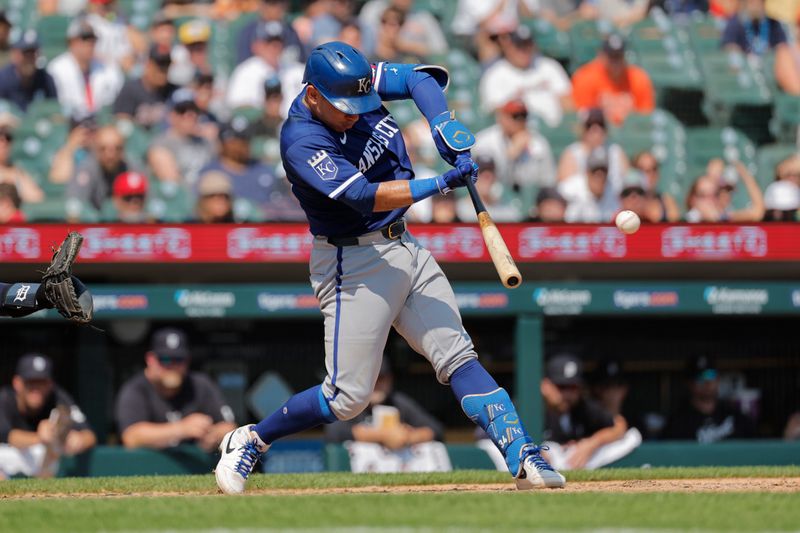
(501, 257)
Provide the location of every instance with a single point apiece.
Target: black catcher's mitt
(63, 290)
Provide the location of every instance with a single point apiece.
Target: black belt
(392, 232)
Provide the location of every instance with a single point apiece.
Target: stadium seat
(52, 31)
(266, 149)
(586, 37)
(785, 118)
(705, 33)
(768, 158)
(49, 109)
(551, 41)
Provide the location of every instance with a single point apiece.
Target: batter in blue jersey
(346, 160)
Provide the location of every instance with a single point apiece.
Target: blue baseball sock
(471, 378)
(489, 406)
(304, 410)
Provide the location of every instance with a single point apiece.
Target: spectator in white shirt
(539, 81)
(246, 87)
(594, 134)
(589, 195)
(84, 84)
(522, 157)
(117, 41)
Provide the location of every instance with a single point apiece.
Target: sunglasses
(7, 137)
(129, 198)
(519, 116)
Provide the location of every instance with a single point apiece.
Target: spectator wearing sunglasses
(167, 405)
(521, 155)
(22, 81)
(84, 84)
(144, 99)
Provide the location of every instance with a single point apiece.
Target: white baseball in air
(628, 222)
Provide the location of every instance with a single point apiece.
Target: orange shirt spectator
(610, 83)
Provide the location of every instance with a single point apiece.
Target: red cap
(514, 106)
(130, 183)
(100, 1)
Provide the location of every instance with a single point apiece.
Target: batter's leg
(431, 323)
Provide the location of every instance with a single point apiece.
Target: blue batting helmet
(344, 77)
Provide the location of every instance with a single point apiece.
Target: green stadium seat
(49, 210)
(171, 202)
(586, 37)
(705, 33)
(49, 109)
(52, 31)
(785, 118)
(768, 158)
(551, 41)
(246, 211)
(266, 149)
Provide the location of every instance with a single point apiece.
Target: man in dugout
(166, 404)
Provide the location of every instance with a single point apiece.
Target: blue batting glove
(465, 169)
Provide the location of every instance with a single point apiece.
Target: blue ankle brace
(495, 413)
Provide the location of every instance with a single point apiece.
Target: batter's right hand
(465, 169)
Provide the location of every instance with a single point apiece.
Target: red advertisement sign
(291, 243)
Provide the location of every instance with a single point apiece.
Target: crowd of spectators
(160, 100)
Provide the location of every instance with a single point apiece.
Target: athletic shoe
(535, 472)
(240, 450)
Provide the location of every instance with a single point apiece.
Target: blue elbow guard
(394, 81)
(495, 413)
(455, 135)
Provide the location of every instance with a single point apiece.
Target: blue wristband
(423, 188)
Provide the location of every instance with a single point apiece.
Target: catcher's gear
(64, 291)
(452, 138)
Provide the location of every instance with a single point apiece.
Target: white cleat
(536, 473)
(240, 450)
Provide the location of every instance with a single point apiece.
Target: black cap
(522, 36)
(614, 46)
(82, 118)
(702, 369)
(484, 162)
(203, 78)
(565, 369)
(593, 116)
(160, 56)
(272, 86)
(183, 100)
(27, 40)
(598, 159)
(608, 373)
(235, 129)
(549, 193)
(170, 342)
(35, 366)
(269, 31)
(4, 18)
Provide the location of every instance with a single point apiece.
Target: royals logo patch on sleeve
(324, 166)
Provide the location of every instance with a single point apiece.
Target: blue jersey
(321, 163)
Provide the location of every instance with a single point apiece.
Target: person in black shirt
(579, 424)
(704, 417)
(39, 421)
(167, 405)
(144, 100)
(22, 81)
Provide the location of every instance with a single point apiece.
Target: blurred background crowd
(144, 111)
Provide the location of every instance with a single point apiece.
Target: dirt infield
(727, 485)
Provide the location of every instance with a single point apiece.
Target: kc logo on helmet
(323, 165)
(364, 85)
